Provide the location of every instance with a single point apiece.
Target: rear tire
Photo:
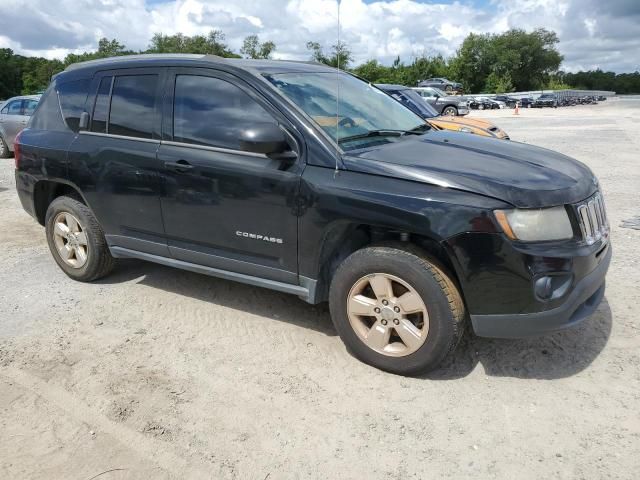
(4, 149)
(80, 250)
(409, 271)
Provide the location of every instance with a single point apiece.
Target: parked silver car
(14, 115)
(443, 103)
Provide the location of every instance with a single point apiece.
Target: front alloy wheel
(396, 309)
(451, 111)
(388, 314)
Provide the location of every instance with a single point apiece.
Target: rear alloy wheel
(396, 309)
(70, 240)
(451, 111)
(76, 240)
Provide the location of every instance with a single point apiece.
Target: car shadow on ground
(275, 305)
(553, 356)
(558, 355)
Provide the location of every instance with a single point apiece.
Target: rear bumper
(579, 304)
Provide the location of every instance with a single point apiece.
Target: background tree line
(493, 63)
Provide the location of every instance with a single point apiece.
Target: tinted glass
(210, 111)
(101, 109)
(72, 99)
(133, 105)
(47, 116)
(14, 108)
(29, 106)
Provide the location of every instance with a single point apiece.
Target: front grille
(592, 217)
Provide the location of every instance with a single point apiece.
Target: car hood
(520, 174)
(473, 122)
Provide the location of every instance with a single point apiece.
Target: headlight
(535, 225)
(465, 129)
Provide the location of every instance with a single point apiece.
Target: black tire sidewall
(455, 111)
(6, 153)
(67, 204)
(409, 268)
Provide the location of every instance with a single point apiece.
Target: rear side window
(101, 108)
(47, 116)
(213, 112)
(133, 106)
(73, 96)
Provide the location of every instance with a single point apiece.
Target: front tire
(4, 149)
(396, 309)
(77, 241)
(451, 111)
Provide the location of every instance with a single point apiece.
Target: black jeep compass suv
(259, 172)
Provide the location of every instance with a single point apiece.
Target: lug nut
(396, 309)
(396, 321)
(385, 303)
(384, 322)
(377, 310)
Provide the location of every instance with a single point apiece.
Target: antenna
(338, 53)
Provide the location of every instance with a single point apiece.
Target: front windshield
(361, 110)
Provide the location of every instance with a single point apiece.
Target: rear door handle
(179, 166)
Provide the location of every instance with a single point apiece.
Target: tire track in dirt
(179, 464)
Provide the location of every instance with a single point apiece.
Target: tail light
(16, 150)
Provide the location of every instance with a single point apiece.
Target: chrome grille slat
(592, 217)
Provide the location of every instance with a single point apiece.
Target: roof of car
(21, 97)
(180, 59)
(391, 86)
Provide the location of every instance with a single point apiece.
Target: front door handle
(179, 166)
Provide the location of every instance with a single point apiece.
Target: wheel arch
(343, 239)
(46, 191)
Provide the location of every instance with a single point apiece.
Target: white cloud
(592, 33)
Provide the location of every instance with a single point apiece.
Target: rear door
(114, 161)
(223, 207)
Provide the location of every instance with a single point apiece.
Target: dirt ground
(158, 373)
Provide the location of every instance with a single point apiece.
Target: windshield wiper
(386, 133)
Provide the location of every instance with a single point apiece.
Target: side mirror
(265, 138)
(83, 122)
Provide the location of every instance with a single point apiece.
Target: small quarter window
(73, 96)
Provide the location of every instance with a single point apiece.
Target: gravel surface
(159, 373)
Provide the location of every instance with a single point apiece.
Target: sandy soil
(158, 373)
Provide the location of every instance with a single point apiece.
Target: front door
(222, 207)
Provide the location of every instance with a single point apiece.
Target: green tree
(210, 44)
(252, 48)
(527, 59)
(340, 56)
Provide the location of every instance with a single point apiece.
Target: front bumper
(579, 304)
(463, 110)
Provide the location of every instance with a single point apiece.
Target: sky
(593, 33)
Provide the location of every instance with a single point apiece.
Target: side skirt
(306, 293)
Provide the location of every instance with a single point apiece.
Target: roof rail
(142, 56)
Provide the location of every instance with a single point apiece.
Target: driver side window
(213, 112)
